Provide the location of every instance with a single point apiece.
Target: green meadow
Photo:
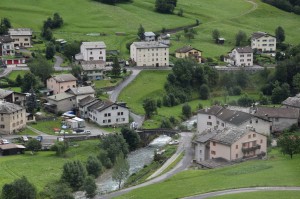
(262, 195)
(82, 17)
(277, 170)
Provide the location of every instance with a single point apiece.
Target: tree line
(286, 5)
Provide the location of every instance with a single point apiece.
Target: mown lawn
(43, 167)
(48, 126)
(262, 195)
(227, 16)
(14, 74)
(278, 170)
(26, 131)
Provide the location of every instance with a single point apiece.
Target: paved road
(185, 145)
(57, 65)
(242, 190)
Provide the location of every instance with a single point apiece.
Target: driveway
(57, 65)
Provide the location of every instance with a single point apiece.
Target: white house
(90, 51)
(149, 36)
(6, 46)
(21, 37)
(263, 42)
(280, 118)
(218, 118)
(94, 70)
(108, 113)
(240, 56)
(149, 54)
(84, 104)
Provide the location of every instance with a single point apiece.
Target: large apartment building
(92, 51)
(149, 54)
(263, 42)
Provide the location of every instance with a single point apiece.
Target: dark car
(39, 138)
(79, 130)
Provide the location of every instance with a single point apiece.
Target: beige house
(21, 37)
(12, 117)
(94, 70)
(280, 118)
(240, 56)
(153, 54)
(61, 83)
(188, 51)
(6, 46)
(90, 51)
(263, 42)
(233, 144)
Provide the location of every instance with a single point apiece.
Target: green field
(43, 167)
(14, 74)
(278, 170)
(262, 195)
(85, 16)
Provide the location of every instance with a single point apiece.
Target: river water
(136, 159)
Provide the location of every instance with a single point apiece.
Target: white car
(25, 138)
(4, 141)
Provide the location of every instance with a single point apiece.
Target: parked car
(60, 139)
(39, 138)
(87, 131)
(78, 130)
(24, 138)
(174, 142)
(4, 141)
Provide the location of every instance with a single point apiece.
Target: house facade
(218, 118)
(22, 37)
(149, 36)
(292, 102)
(233, 144)
(13, 97)
(153, 54)
(81, 92)
(90, 51)
(280, 118)
(240, 56)
(6, 46)
(12, 117)
(84, 104)
(188, 51)
(263, 42)
(94, 70)
(61, 102)
(60, 83)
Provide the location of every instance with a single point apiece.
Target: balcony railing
(248, 149)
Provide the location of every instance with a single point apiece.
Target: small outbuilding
(220, 40)
(11, 149)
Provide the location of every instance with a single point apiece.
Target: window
(104, 121)
(213, 152)
(70, 99)
(256, 121)
(248, 55)
(218, 122)
(261, 141)
(200, 151)
(209, 117)
(105, 114)
(108, 114)
(236, 155)
(248, 59)
(100, 52)
(254, 135)
(209, 123)
(276, 119)
(244, 144)
(223, 124)
(2, 119)
(214, 143)
(109, 121)
(91, 53)
(62, 87)
(242, 60)
(236, 146)
(249, 136)
(2, 126)
(250, 121)
(242, 56)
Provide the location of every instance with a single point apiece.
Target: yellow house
(188, 51)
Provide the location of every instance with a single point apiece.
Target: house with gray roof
(263, 42)
(94, 70)
(149, 54)
(60, 83)
(292, 102)
(201, 144)
(84, 104)
(90, 51)
(219, 117)
(149, 36)
(189, 51)
(22, 37)
(281, 118)
(240, 56)
(6, 46)
(13, 97)
(12, 117)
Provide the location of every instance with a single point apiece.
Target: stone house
(188, 51)
(149, 36)
(292, 102)
(6, 46)
(61, 83)
(90, 51)
(22, 37)
(12, 117)
(13, 97)
(263, 42)
(240, 56)
(153, 54)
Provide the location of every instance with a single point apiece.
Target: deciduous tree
(141, 32)
(289, 144)
(90, 187)
(34, 145)
(19, 189)
(150, 107)
(74, 173)
(215, 35)
(132, 138)
(93, 166)
(279, 34)
(240, 38)
(121, 169)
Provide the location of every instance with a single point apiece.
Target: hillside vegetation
(82, 17)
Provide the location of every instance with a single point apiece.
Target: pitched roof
(4, 93)
(257, 35)
(7, 107)
(229, 136)
(214, 110)
(272, 112)
(246, 49)
(92, 65)
(5, 39)
(205, 136)
(233, 117)
(185, 49)
(64, 78)
(105, 105)
(11, 146)
(81, 90)
(94, 44)
(292, 101)
(60, 96)
(95, 105)
(149, 34)
(87, 100)
(152, 44)
(20, 32)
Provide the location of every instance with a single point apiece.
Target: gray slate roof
(4, 93)
(60, 96)
(20, 32)
(272, 112)
(95, 105)
(292, 101)
(205, 136)
(7, 107)
(95, 44)
(81, 90)
(229, 136)
(64, 78)
(92, 65)
(186, 49)
(87, 100)
(257, 35)
(152, 44)
(246, 49)
(149, 34)
(214, 110)
(5, 39)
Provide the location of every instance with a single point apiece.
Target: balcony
(249, 149)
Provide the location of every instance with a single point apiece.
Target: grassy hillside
(279, 170)
(262, 195)
(86, 16)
